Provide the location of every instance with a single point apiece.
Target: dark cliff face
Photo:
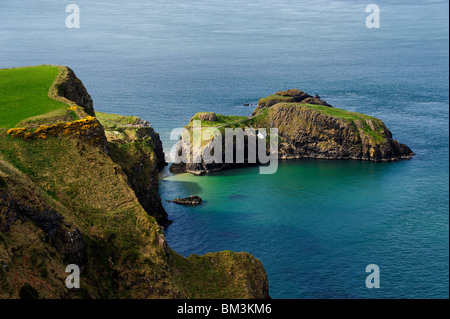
(202, 167)
(68, 89)
(36, 240)
(308, 127)
(64, 237)
(308, 133)
(137, 148)
(140, 163)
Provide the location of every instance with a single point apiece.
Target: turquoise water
(315, 225)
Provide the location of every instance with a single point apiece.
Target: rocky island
(308, 127)
(192, 200)
(81, 187)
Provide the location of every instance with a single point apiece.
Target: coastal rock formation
(137, 148)
(292, 95)
(190, 201)
(315, 133)
(209, 116)
(129, 129)
(308, 127)
(68, 89)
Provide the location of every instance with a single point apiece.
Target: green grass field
(24, 93)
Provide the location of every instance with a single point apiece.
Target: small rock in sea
(246, 104)
(191, 200)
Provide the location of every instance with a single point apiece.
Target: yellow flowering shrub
(16, 132)
(78, 128)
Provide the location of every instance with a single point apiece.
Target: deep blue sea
(314, 224)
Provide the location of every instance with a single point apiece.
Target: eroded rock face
(307, 133)
(60, 234)
(69, 89)
(137, 148)
(208, 117)
(202, 167)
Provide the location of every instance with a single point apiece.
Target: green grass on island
(230, 121)
(24, 93)
(274, 98)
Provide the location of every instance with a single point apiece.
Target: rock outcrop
(192, 200)
(308, 127)
(292, 95)
(209, 116)
(137, 148)
(314, 133)
(68, 89)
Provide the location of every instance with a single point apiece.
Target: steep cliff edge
(70, 193)
(314, 131)
(68, 89)
(137, 148)
(308, 127)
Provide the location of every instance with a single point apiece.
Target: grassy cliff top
(220, 121)
(274, 98)
(114, 120)
(24, 93)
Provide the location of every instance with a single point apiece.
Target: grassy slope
(96, 198)
(231, 121)
(24, 93)
(88, 188)
(112, 121)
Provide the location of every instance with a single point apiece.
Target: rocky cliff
(308, 127)
(67, 88)
(137, 148)
(84, 192)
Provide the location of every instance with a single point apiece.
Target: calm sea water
(315, 225)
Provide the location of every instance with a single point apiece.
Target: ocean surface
(314, 224)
